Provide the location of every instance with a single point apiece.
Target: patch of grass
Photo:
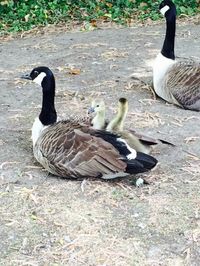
(27, 14)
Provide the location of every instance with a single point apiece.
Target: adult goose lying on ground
(175, 82)
(72, 149)
(140, 143)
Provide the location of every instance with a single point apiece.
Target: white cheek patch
(164, 10)
(39, 78)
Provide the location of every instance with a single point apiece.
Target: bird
(98, 110)
(140, 143)
(177, 82)
(70, 149)
(117, 123)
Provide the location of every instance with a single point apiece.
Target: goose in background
(175, 82)
(71, 149)
(140, 143)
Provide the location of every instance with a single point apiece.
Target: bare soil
(45, 220)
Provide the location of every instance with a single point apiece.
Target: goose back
(183, 81)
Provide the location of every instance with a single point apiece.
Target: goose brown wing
(183, 81)
(72, 151)
(86, 120)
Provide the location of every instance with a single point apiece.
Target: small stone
(139, 182)
(67, 239)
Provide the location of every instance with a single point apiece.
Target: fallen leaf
(74, 71)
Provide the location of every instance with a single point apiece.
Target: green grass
(20, 15)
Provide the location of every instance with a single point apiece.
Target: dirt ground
(45, 220)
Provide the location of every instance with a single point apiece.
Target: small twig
(196, 157)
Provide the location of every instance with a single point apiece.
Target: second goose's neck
(48, 113)
(168, 46)
(118, 122)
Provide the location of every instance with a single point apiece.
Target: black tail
(142, 163)
(167, 142)
(156, 141)
(148, 161)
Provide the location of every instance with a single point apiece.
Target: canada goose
(99, 110)
(136, 141)
(71, 149)
(117, 123)
(175, 82)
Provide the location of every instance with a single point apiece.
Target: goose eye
(36, 73)
(97, 105)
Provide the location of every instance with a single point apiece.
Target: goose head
(123, 105)
(167, 8)
(97, 107)
(97, 110)
(42, 76)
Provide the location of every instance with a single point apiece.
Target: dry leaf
(93, 23)
(190, 139)
(70, 70)
(74, 71)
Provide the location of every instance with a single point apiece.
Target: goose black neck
(48, 114)
(168, 46)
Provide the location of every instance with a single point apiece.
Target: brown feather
(183, 82)
(75, 152)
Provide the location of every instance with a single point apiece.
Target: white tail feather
(133, 154)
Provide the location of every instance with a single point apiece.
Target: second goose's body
(175, 82)
(140, 143)
(72, 149)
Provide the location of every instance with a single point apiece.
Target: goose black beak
(26, 76)
(91, 110)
